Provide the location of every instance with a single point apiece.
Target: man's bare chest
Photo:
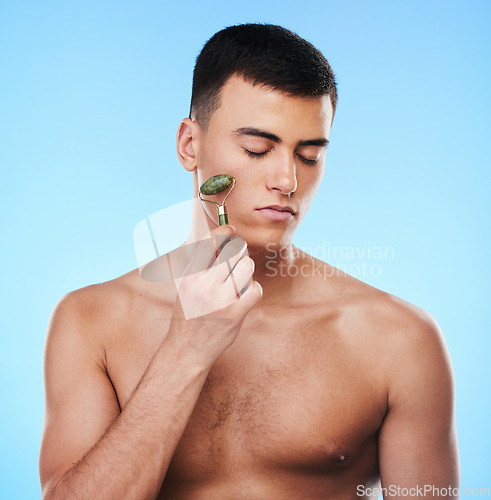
(287, 394)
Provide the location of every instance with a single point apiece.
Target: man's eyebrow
(257, 133)
(321, 142)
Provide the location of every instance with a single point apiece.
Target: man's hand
(214, 295)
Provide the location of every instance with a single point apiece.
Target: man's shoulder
(97, 298)
(409, 348)
(391, 318)
(97, 310)
(399, 335)
(399, 340)
(401, 323)
(380, 315)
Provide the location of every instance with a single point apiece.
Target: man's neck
(275, 271)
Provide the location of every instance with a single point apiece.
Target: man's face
(274, 145)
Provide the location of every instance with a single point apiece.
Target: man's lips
(279, 208)
(277, 213)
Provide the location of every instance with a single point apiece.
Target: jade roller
(215, 185)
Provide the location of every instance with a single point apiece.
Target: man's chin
(258, 244)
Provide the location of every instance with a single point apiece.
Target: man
(309, 384)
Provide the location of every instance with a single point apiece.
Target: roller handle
(222, 216)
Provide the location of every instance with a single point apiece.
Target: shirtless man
(310, 385)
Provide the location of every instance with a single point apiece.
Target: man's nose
(284, 177)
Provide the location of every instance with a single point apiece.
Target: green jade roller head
(215, 185)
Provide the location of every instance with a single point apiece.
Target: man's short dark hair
(262, 54)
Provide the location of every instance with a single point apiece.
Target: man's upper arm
(80, 402)
(417, 441)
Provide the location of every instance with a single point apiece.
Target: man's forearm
(131, 458)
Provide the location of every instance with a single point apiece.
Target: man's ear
(187, 143)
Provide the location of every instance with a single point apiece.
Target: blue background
(91, 94)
